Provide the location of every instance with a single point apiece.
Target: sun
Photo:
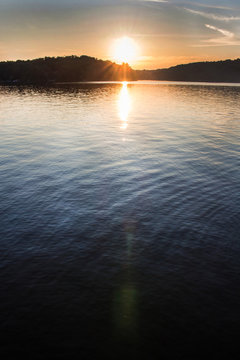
(125, 50)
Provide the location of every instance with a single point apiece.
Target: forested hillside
(61, 69)
(84, 68)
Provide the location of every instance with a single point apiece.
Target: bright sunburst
(125, 50)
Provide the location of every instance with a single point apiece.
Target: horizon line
(113, 62)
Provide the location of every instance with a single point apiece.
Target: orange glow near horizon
(146, 34)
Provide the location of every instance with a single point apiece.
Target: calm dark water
(120, 221)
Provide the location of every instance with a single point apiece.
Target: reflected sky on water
(119, 226)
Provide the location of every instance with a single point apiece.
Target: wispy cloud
(155, 1)
(210, 6)
(213, 16)
(226, 33)
(164, 35)
(228, 38)
(218, 7)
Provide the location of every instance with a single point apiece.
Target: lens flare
(125, 50)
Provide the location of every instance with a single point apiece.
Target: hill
(84, 68)
(215, 71)
(63, 69)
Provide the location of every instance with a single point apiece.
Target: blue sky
(167, 32)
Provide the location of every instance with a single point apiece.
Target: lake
(120, 220)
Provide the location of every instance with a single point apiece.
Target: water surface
(119, 208)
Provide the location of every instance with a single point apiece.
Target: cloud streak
(228, 38)
(155, 1)
(213, 16)
(226, 33)
(208, 6)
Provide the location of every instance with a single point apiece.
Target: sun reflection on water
(124, 105)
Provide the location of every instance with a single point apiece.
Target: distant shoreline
(74, 69)
(131, 82)
(151, 82)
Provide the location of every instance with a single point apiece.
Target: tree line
(84, 68)
(214, 71)
(63, 69)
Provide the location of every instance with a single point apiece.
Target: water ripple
(122, 236)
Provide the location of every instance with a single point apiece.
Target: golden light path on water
(124, 105)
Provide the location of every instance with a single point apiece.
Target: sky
(167, 33)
